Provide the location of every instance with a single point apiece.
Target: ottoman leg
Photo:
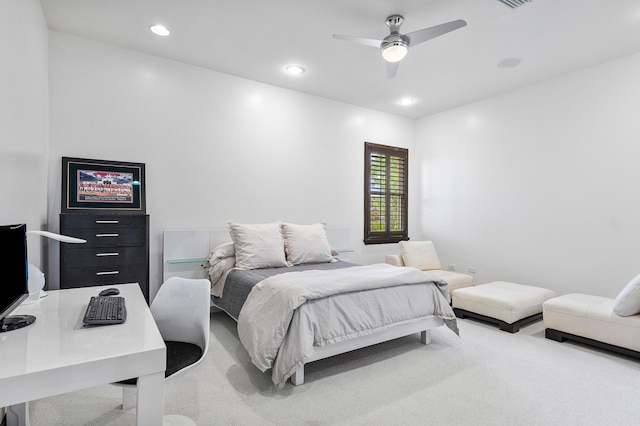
(511, 328)
(504, 326)
(460, 313)
(552, 334)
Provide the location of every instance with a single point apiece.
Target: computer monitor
(14, 268)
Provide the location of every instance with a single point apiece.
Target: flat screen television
(14, 266)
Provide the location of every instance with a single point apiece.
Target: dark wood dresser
(116, 251)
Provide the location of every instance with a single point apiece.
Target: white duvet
(285, 315)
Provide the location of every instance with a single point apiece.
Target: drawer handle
(106, 235)
(107, 254)
(108, 273)
(107, 221)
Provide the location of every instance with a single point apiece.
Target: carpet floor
(484, 377)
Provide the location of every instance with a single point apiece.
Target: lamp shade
(36, 278)
(58, 237)
(36, 283)
(395, 51)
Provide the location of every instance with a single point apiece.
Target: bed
(296, 303)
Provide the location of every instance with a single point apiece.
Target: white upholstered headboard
(184, 251)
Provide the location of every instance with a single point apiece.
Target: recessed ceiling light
(406, 101)
(160, 30)
(294, 69)
(509, 63)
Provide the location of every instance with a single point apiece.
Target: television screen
(14, 265)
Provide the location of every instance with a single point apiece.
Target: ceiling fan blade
(366, 41)
(425, 34)
(392, 69)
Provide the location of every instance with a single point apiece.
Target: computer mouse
(109, 292)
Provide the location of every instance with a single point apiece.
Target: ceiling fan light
(395, 51)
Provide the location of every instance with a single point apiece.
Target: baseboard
(561, 336)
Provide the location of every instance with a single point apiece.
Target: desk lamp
(36, 277)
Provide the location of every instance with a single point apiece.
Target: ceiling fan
(395, 46)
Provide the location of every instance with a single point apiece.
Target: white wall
(539, 185)
(23, 118)
(534, 186)
(216, 147)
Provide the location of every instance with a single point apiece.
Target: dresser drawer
(72, 257)
(105, 237)
(87, 277)
(94, 221)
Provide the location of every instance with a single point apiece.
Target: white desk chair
(181, 311)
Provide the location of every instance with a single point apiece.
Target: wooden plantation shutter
(386, 189)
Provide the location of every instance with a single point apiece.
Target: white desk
(56, 354)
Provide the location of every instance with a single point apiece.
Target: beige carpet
(485, 377)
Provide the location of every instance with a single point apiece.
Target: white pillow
(419, 254)
(222, 251)
(219, 267)
(258, 246)
(628, 301)
(306, 243)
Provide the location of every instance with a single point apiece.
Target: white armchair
(423, 255)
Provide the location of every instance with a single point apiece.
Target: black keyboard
(103, 310)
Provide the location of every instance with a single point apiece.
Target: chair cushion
(454, 279)
(508, 302)
(419, 254)
(628, 301)
(394, 259)
(592, 317)
(179, 355)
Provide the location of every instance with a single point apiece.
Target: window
(385, 193)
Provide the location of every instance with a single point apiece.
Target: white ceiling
(256, 39)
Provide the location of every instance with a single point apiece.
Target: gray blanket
(240, 282)
(286, 315)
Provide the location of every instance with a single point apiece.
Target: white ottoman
(509, 305)
(590, 320)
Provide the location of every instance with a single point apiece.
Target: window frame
(386, 236)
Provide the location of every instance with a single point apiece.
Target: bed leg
(425, 337)
(298, 377)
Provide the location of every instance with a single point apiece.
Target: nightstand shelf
(179, 261)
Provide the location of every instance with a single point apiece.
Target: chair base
(504, 326)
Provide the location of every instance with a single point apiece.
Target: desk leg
(150, 407)
(18, 415)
